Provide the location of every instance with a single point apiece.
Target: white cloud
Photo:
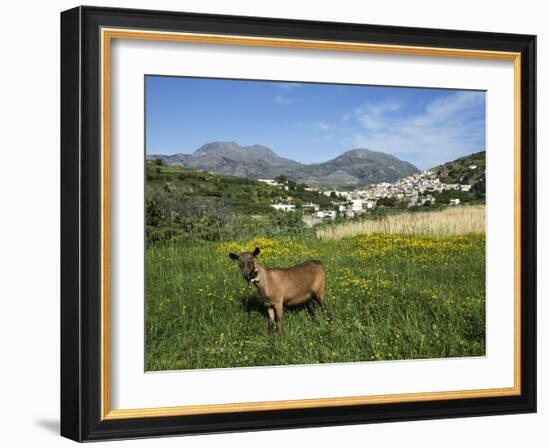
(372, 116)
(448, 127)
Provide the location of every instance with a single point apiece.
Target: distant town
(411, 191)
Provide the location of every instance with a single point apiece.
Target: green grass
(387, 297)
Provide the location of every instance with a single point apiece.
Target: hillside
(355, 167)
(240, 195)
(462, 171)
(184, 203)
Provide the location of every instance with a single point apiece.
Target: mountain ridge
(354, 167)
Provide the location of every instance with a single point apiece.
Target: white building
(357, 205)
(465, 187)
(268, 181)
(284, 207)
(326, 214)
(454, 202)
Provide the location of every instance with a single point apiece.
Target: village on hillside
(414, 190)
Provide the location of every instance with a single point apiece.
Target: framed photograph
(274, 223)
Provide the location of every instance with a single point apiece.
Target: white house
(357, 205)
(284, 207)
(465, 187)
(370, 204)
(268, 181)
(326, 214)
(454, 202)
(472, 167)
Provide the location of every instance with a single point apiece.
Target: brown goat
(297, 285)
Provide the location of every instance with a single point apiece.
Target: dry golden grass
(450, 221)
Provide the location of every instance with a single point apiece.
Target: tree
(288, 222)
(291, 185)
(281, 179)
(386, 202)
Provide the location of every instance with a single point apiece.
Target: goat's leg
(279, 315)
(311, 307)
(270, 318)
(319, 296)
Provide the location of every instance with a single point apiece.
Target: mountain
(230, 158)
(358, 166)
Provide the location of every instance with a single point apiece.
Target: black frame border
(81, 223)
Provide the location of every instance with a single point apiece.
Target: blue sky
(311, 122)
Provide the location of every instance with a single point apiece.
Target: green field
(388, 296)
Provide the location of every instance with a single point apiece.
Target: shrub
(172, 214)
(288, 223)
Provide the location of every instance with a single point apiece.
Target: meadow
(445, 222)
(389, 296)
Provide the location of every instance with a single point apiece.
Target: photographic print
(304, 223)
(248, 204)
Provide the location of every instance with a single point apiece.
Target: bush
(288, 223)
(386, 202)
(172, 215)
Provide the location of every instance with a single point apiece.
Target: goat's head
(247, 263)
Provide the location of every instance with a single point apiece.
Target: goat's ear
(256, 252)
(233, 256)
